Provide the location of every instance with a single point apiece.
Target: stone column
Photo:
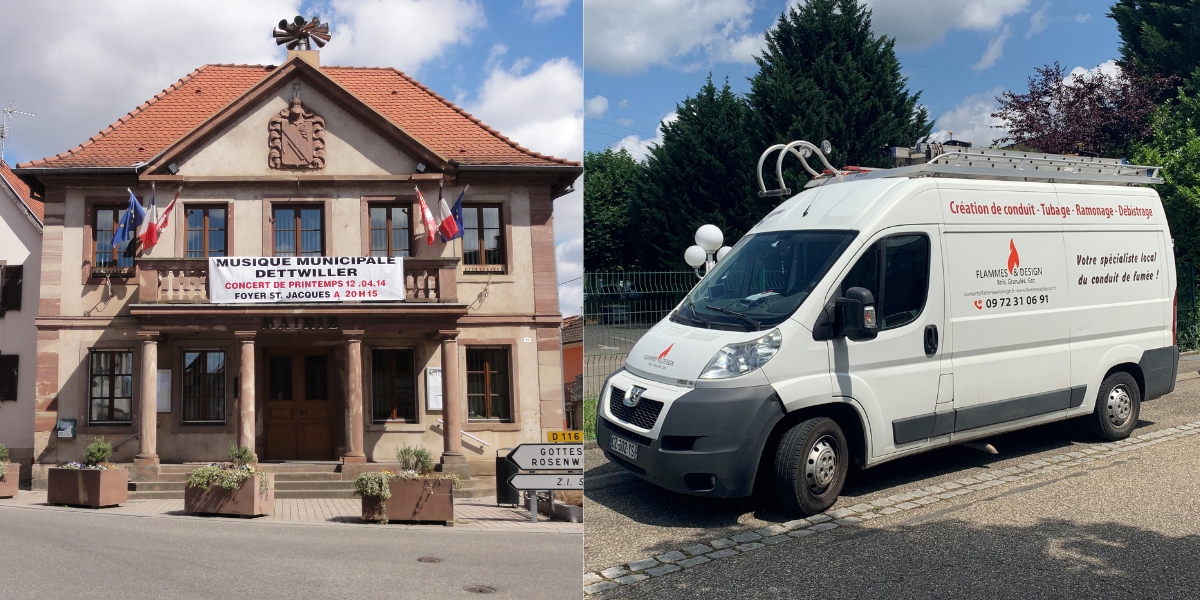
(354, 398)
(453, 459)
(147, 455)
(246, 424)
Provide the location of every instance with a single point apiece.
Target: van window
(764, 279)
(901, 291)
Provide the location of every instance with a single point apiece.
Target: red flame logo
(1014, 260)
(664, 352)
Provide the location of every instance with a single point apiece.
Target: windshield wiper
(706, 322)
(757, 326)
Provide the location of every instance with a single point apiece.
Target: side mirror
(855, 315)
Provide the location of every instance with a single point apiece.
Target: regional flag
(426, 217)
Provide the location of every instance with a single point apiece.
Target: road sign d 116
(548, 457)
(547, 481)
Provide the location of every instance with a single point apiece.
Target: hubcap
(1120, 406)
(821, 465)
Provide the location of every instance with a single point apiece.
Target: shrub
(241, 455)
(97, 452)
(3, 454)
(412, 458)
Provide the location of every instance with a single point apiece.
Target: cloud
(919, 23)
(1108, 67)
(80, 69)
(625, 37)
(640, 148)
(545, 10)
(366, 31)
(972, 120)
(596, 106)
(995, 50)
(1038, 21)
(543, 110)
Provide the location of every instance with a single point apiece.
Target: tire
(1118, 405)
(810, 466)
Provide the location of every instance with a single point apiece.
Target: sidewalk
(475, 514)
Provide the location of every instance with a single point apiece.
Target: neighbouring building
(572, 360)
(296, 162)
(20, 259)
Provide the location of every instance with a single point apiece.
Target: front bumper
(709, 441)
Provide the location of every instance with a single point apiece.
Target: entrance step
(310, 494)
(476, 488)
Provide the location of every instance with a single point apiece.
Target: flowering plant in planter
(95, 456)
(4, 462)
(8, 481)
(230, 476)
(376, 488)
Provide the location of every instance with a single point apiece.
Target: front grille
(632, 436)
(644, 415)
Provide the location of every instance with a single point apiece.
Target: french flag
(131, 222)
(148, 230)
(451, 227)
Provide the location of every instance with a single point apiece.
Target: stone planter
(414, 500)
(242, 501)
(8, 487)
(93, 488)
(559, 511)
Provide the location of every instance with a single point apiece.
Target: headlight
(739, 359)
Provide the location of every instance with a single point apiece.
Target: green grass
(589, 418)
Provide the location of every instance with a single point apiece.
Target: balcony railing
(185, 280)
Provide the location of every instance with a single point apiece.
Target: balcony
(185, 280)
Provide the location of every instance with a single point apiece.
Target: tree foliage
(1091, 111)
(610, 180)
(825, 76)
(702, 172)
(1158, 37)
(1175, 146)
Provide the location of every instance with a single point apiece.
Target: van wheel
(811, 465)
(1117, 407)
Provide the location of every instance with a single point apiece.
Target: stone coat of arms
(297, 137)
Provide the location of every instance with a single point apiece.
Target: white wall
(20, 244)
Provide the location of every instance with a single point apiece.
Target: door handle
(931, 340)
(302, 413)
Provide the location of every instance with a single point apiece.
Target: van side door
(894, 377)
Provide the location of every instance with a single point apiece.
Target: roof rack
(972, 163)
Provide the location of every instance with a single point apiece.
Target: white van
(882, 314)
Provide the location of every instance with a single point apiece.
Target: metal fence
(618, 308)
(1187, 325)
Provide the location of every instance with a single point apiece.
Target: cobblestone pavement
(637, 531)
(470, 513)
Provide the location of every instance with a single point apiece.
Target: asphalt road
(1127, 528)
(73, 554)
(635, 520)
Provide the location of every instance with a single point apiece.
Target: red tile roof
(36, 206)
(572, 330)
(159, 122)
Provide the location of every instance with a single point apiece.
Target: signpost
(565, 461)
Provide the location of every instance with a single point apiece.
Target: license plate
(623, 447)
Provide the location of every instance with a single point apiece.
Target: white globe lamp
(694, 256)
(709, 238)
(722, 252)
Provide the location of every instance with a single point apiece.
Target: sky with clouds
(516, 65)
(961, 54)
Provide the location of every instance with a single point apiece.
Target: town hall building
(289, 164)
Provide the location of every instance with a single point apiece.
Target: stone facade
(331, 354)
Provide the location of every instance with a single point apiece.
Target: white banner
(240, 280)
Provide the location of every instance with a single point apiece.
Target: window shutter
(10, 289)
(8, 376)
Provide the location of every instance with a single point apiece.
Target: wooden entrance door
(299, 409)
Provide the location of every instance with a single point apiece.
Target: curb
(753, 539)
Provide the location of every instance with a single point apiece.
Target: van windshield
(763, 279)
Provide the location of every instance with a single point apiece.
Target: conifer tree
(702, 172)
(825, 76)
(609, 183)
